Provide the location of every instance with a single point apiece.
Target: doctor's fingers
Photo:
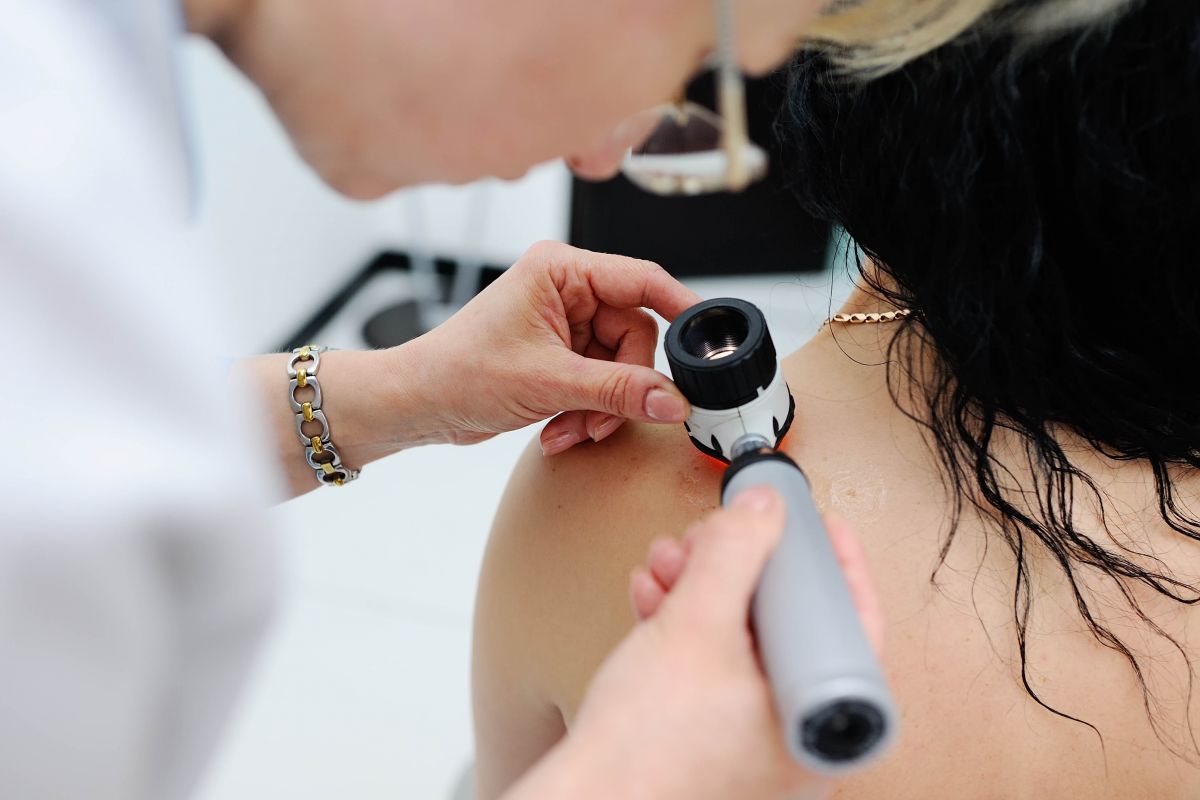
(584, 279)
(667, 561)
(572, 427)
(628, 334)
(624, 335)
(729, 551)
(649, 585)
(646, 594)
(621, 390)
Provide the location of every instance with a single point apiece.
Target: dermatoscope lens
(842, 731)
(716, 333)
(721, 354)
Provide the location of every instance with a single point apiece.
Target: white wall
(283, 241)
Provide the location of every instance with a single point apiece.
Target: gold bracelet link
(320, 453)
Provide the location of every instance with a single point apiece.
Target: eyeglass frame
(731, 98)
(730, 90)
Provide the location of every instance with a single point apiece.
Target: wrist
(378, 402)
(374, 403)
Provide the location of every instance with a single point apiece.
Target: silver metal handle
(833, 701)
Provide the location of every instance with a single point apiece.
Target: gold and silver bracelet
(319, 451)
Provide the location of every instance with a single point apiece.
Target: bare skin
(692, 642)
(553, 600)
(565, 332)
(379, 94)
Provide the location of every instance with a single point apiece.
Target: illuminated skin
(570, 530)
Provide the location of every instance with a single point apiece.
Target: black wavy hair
(1038, 206)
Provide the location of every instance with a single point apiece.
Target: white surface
(363, 688)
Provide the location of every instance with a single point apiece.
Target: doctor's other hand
(681, 709)
(562, 330)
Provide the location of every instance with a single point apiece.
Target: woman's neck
(866, 343)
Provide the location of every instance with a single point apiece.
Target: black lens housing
(843, 731)
(718, 326)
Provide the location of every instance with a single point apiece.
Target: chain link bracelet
(319, 451)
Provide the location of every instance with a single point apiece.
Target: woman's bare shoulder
(640, 476)
(569, 530)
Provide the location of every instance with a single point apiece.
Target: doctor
(135, 574)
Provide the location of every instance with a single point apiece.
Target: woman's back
(553, 602)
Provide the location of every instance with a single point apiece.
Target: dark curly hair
(1038, 206)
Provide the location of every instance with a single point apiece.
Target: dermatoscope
(833, 701)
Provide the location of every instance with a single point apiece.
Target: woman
(1020, 454)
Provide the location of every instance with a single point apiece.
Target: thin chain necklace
(869, 319)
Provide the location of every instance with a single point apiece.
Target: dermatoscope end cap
(843, 732)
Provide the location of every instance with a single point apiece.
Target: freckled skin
(860, 493)
(969, 729)
(691, 493)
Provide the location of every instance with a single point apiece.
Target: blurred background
(363, 687)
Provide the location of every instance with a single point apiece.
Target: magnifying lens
(686, 154)
(694, 151)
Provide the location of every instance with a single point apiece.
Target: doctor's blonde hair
(874, 37)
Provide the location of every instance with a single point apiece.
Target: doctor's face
(379, 94)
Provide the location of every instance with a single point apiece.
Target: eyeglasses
(691, 150)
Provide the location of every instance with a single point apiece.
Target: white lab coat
(136, 573)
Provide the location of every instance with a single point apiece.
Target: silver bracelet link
(319, 451)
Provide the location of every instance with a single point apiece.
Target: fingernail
(559, 443)
(605, 428)
(758, 500)
(665, 406)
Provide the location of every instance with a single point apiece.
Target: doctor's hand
(563, 330)
(681, 709)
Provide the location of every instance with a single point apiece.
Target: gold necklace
(869, 319)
